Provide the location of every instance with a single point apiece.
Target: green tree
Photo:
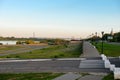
(117, 37)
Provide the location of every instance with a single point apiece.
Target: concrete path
(68, 76)
(32, 60)
(77, 76)
(91, 77)
(89, 50)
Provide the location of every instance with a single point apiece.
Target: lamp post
(95, 38)
(102, 42)
(92, 37)
(96, 34)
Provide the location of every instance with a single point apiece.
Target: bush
(55, 56)
(17, 56)
(30, 52)
(29, 42)
(61, 55)
(8, 57)
(1, 43)
(18, 42)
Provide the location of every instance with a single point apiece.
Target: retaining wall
(115, 70)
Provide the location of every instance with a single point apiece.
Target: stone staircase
(92, 64)
(95, 64)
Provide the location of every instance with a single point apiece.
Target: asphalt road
(45, 66)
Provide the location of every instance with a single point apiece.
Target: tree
(18, 42)
(29, 42)
(105, 37)
(116, 37)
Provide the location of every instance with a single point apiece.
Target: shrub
(17, 56)
(8, 57)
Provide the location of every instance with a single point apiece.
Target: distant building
(110, 37)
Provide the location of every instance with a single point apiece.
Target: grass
(109, 77)
(57, 51)
(109, 49)
(9, 47)
(29, 76)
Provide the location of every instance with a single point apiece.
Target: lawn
(55, 51)
(29, 76)
(109, 77)
(109, 49)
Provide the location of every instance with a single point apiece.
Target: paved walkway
(77, 76)
(89, 50)
(91, 77)
(68, 76)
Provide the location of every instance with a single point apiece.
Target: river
(8, 42)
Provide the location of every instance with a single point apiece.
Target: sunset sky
(58, 18)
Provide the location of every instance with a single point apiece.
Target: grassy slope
(29, 76)
(109, 49)
(9, 47)
(58, 51)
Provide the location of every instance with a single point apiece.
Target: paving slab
(91, 77)
(68, 76)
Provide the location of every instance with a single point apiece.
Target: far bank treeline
(36, 40)
(47, 41)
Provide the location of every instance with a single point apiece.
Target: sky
(58, 18)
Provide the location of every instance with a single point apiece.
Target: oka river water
(8, 42)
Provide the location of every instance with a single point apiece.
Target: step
(97, 64)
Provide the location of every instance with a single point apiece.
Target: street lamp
(95, 38)
(96, 34)
(102, 42)
(92, 36)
